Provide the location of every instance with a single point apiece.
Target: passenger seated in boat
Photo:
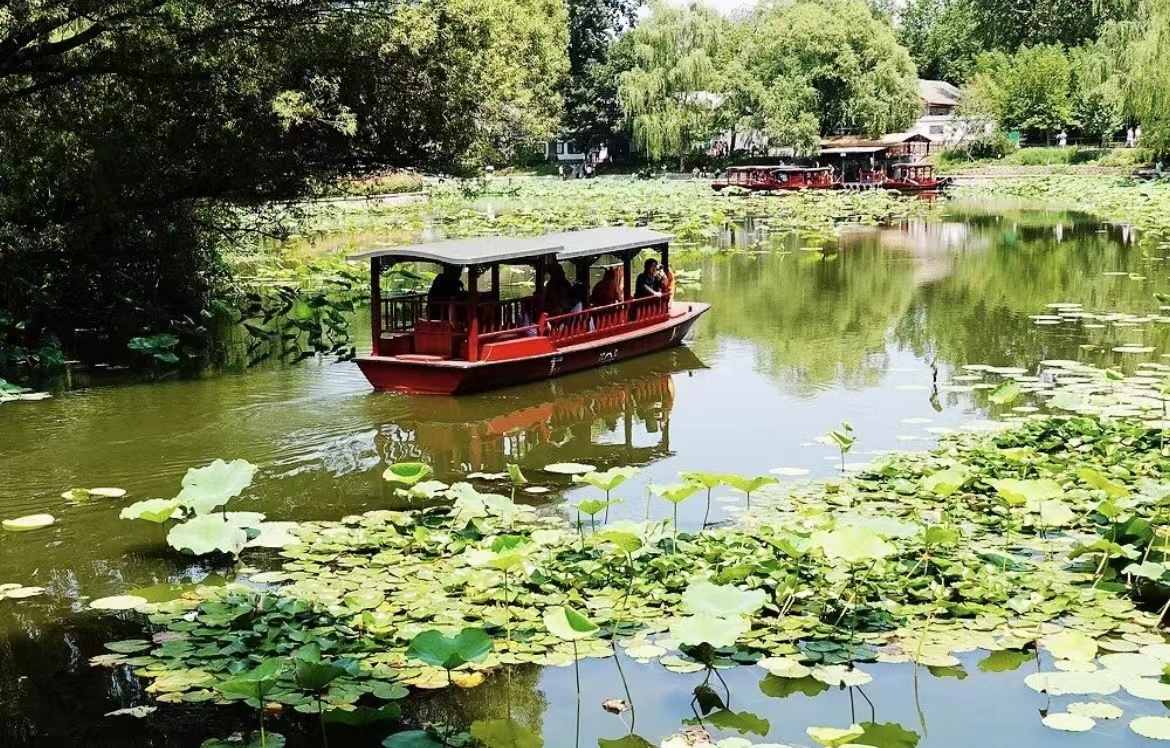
(446, 287)
(560, 297)
(608, 290)
(650, 282)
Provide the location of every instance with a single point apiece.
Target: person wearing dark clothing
(650, 281)
(447, 284)
(560, 297)
(446, 287)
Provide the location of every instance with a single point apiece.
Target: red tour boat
(478, 340)
(765, 178)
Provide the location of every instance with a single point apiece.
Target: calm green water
(796, 342)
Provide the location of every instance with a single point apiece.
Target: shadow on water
(861, 328)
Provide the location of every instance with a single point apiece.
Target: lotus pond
(905, 487)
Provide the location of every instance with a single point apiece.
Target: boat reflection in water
(614, 416)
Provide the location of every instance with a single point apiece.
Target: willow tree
(1140, 49)
(673, 92)
(829, 66)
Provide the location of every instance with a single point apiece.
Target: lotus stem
(626, 686)
(674, 545)
(1162, 613)
(605, 520)
(707, 513)
(577, 672)
(321, 719)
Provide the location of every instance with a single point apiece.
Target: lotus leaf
(706, 480)
(1131, 663)
(253, 685)
(118, 602)
(407, 473)
(1005, 393)
(1071, 645)
(841, 675)
(887, 735)
(591, 506)
(784, 667)
(207, 488)
(450, 652)
(313, 673)
(748, 485)
(1062, 684)
(1099, 481)
(676, 493)
(133, 711)
(208, 533)
(721, 600)
(515, 475)
(1146, 688)
(1068, 722)
(626, 541)
(741, 722)
(151, 510)
(567, 624)
(945, 482)
(1027, 493)
(833, 737)
(607, 480)
(1095, 710)
(30, 522)
(706, 628)
(1154, 728)
(853, 545)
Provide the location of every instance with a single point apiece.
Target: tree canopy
(792, 69)
(672, 91)
(137, 136)
(832, 63)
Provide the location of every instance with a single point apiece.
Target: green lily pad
(567, 624)
(1154, 728)
(30, 522)
(450, 652)
(1068, 722)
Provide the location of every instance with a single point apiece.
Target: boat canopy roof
(490, 250)
(483, 250)
(606, 240)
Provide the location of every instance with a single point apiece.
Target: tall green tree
(1137, 65)
(945, 36)
(828, 66)
(1030, 90)
(673, 91)
(593, 112)
(139, 137)
(941, 38)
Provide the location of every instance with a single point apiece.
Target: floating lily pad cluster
(1040, 536)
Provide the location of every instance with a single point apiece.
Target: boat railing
(505, 316)
(400, 312)
(587, 323)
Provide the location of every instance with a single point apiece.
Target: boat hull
(392, 374)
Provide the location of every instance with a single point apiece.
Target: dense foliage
(793, 70)
(136, 137)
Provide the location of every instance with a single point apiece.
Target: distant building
(939, 120)
(563, 151)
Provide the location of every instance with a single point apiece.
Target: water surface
(870, 329)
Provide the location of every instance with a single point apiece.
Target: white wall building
(939, 120)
